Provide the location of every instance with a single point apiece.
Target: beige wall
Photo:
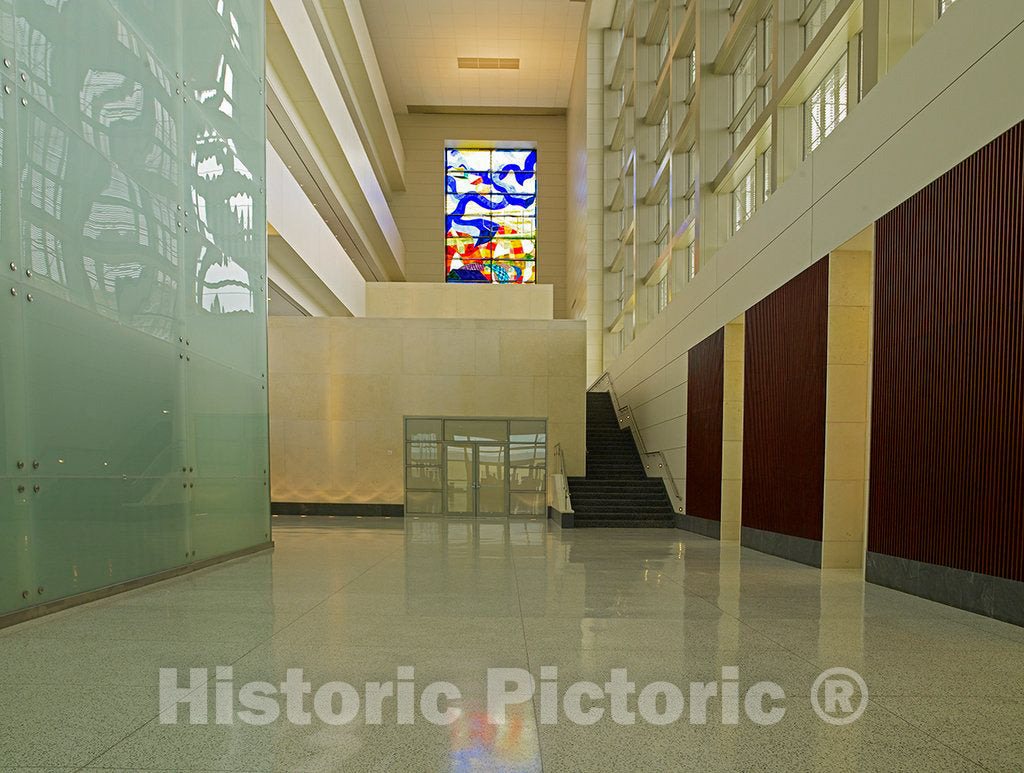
(419, 211)
(576, 191)
(469, 301)
(339, 388)
(906, 132)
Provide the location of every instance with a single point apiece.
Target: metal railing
(561, 480)
(626, 420)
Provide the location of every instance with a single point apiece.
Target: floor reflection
(357, 599)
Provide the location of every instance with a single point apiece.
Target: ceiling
(417, 43)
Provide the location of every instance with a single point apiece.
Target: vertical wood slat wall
(704, 390)
(784, 407)
(947, 428)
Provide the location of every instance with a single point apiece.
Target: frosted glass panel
(133, 404)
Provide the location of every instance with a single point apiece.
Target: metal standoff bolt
(35, 464)
(21, 489)
(29, 297)
(14, 266)
(184, 485)
(191, 485)
(24, 102)
(28, 273)
(36, 488)
(24, 594)
(7, 89)
(24, 77)
(191, 469)
(14, 291)
(40, 590)
(7, 62)
(21, 465)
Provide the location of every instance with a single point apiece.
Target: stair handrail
(630, 423)
(559, 474)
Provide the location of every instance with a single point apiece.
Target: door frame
(472, 490)
(505, 444)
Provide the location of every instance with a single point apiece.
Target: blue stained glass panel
(490, 215)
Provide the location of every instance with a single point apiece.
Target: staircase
(616, 491)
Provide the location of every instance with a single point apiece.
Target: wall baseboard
(703, 526)
(40, 610)
(336, 508)
(799, 549)
(983, 594)
(563, 520)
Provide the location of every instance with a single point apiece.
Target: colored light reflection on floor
(480, 745)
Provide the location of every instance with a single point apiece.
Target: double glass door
(476, 484)
(475, 467)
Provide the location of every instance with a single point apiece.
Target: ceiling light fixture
(487, 63)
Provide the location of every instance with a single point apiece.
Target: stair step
(606, 507)
(579, 503)
(616, 491)
(637, 485)
(599, 523)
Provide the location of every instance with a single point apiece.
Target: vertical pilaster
(846, 409)
(732, 431)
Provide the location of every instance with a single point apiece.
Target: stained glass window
(491, 216)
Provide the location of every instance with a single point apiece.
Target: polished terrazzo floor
(354, 599)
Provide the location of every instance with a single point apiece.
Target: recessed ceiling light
(487, 63)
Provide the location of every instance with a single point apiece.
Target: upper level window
(764, 173)
(826, 108)
(663, 293)
(491, 215)
(743, 79)
(744, 111)
(744, 200)
(767, 48)
(816, 13)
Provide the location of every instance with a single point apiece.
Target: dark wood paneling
(947, 430)
(784, 407)
(704, 386)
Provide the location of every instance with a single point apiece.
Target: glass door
(491, 480)
(475, 467)
(460, 481)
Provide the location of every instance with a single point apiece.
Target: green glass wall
(133, 403)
